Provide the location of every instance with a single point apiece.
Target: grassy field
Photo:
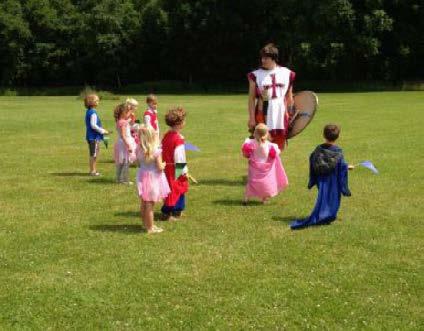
(73, 254)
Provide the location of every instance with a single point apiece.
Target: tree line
(118, 42)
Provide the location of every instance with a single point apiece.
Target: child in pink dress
(132, 105)
(125, 146)
(266, 175)
(151, 181)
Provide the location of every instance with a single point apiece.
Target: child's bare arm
(124, 138)
(251, 104)
(159, 164)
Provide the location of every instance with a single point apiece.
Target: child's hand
(350, 167)
(106, 132)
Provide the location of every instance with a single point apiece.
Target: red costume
(151, 118)
(170, 142)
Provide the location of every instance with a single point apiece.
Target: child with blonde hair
(132, 105)
(94, 131)
(151, 181)
(266, 175)
(124, 149)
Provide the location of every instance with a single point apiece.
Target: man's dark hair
(269, 50)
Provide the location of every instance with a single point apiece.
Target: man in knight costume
(271, 95)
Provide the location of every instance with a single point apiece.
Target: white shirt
(94, 126)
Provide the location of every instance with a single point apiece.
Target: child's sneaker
(94, 174)
(155, 229)
(168, 217)
(177, 214)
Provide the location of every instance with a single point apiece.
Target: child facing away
(124, 149)
(266, 175)
(94, 131)
(132, 105)
(173, 153)
(151, 113)
(152, 184)
(329, 172)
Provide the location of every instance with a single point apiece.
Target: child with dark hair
(271, 95)
(173, 153)
(329, 172)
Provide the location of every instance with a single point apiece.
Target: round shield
(305, 104)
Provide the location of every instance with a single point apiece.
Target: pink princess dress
(266, 175)
(151, 182)
(121, 153)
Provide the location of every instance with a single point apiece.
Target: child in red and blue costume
(173, 153)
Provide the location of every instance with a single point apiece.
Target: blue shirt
(92, 134)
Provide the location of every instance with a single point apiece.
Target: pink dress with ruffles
(121, 153)
(266, 174)
(152, 184)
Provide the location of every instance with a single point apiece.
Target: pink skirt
(121, 154)
(267, 179)
(152, 185)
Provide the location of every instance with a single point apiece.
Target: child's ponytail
(261, 133)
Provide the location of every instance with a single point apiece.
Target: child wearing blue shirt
(94, 131)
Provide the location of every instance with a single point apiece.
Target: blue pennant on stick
(190, 147)
(369, 165)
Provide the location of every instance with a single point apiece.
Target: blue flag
(369, 165)
(190, 147)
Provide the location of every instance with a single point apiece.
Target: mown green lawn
(73, 254)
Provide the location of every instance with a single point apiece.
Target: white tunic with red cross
(274, 84)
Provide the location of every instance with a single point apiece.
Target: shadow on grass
(284, 219)
(106, 161)
(223, 181)
(124, 228)
(136, 214)
(69, 174)
(102, 180)
(238, 202)
(129, 214)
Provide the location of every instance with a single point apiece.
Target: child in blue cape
(329, 172)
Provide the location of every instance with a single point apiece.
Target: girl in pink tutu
(152, 184)
(266, 175)
(125, 146)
